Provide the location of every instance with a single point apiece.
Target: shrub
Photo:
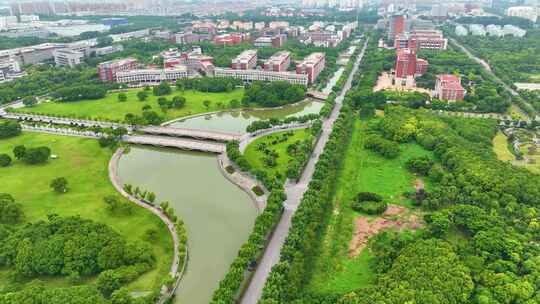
(257, 190)
(368, 196)
(370, 207)
(385, 147)
(230, 169)
(36, 155)
(5, 160)
(421, 165)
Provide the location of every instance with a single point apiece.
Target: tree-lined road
(294, 192)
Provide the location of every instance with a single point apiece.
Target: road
(488, 68)
(294, 192)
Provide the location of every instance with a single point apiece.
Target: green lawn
(363, 170)
(109, 108)
(256, 157)
(84, 164)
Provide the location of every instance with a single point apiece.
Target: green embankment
(85, 165)
(109, 108)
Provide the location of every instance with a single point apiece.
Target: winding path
(294, 192)
(113, 175)
(488, 68)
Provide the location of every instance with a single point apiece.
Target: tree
(59, 185)
(9, 128)
(19, 151)
(142, 95)
(5, 160)
(122, 97)
(151, 197)
(36, 155)
(10, 211)
(162, 89)
(178, 102)
(207, 103)
(29, 101)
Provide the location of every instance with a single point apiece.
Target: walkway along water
(294, 192)
(113, 175)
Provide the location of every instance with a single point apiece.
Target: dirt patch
(395, 217)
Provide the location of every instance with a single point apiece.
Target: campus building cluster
(10, 70)
(274, 69)
(526, 12)
(414, 35)
(322, 35)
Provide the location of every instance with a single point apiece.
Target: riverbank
(118, 185)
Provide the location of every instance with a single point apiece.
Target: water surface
(219, 216)
(237, 121)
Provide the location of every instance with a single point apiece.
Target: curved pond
(237, 121)
(218, 216)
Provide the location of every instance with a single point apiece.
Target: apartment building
(247, 60)
(68, 57)
(107, 71)
(312, 65)
(279, 62)
(448, 87)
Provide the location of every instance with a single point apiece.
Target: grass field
(84, 164)
(109, 108)
(362, 170)
(255, 157)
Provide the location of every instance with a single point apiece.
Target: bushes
(69, 246)
(9, 128)
(257, 190)
(421, 165)
(370, 203)
(5, 160)
(80, 92)
(273, 122)
(386, 148)
(208, 84)
(273, 94)
(10, 211)
(37, 155)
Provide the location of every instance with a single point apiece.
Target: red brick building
(279, 62)
(408, 66)
(312, 65)
(448, 87)
(247, 60)
(421, 39)
(107, 70)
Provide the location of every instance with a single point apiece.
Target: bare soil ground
(395, 217)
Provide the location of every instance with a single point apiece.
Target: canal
(237, 121)
(219, 216)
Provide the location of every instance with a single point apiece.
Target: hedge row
(285, 281)
(229, 287)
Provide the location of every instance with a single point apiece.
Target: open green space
(85, 165)
(110, 108)
(362, 171)
(275, 143)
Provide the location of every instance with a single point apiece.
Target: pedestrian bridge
(196, 134)
(316, 95)
(179, 143)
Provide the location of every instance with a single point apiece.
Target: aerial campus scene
(269, 151)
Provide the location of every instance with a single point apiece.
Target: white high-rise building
(526, 12)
